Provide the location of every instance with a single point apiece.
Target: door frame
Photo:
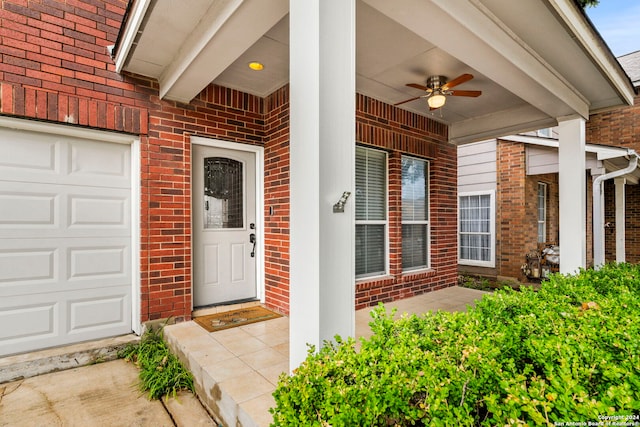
(103, 136)
(259, 185)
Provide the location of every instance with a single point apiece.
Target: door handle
(252, 239)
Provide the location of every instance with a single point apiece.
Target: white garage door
(65, 240)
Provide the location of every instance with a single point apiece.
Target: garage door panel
(19, 209)
(51, 319)
(96, 263)
(29, 152)
(98, 212)
(21, 266)
(98, 313)
(29, 322)
(53, 211)
(30, 266)
(36, 157)
(96, 164)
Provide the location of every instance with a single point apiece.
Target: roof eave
(588, 37)
(131, 23)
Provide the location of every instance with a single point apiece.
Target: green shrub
(567, 353)
(161, 373)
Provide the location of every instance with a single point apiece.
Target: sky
(618, 22)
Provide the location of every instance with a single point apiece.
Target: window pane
(475, 227)
(371, 205)
(414, 246)
(542, 212)
(370, 250)
(414, 189)
(371, 184)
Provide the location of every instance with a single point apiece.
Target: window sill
(420, 272)
(477, 263)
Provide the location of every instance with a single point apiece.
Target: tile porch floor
(236, 370)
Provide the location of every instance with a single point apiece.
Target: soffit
(533, 60)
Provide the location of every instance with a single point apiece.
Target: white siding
(541, 160)
(477, 166)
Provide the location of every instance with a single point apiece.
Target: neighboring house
(509, 195)
(146, 170)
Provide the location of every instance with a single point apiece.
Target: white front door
(224, 225)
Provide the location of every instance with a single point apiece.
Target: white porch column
(620, 219)
(573, 209)
(322, 153)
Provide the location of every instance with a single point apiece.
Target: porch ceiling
(535, 61)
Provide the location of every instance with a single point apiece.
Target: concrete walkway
(105, 394)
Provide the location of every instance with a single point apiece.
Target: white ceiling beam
(226, 31)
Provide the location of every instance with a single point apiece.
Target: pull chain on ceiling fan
(437, 89)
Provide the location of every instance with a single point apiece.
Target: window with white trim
(415, 213)
(477, 229)
(371, 212)
(542, 212)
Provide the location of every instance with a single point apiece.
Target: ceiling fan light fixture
(436, 100)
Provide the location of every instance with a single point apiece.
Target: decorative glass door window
(223, 193)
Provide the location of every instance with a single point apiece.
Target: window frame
(545, 186)
(426, 222)
(384, 223)
(492, 229)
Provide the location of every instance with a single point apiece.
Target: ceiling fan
(438, 88)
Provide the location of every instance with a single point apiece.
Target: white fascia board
(136, 16)
(224, 33)
(602, 152)
(531, 140)
(605, 153)
(593, 45)
(496, 125)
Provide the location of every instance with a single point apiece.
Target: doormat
(233, 318)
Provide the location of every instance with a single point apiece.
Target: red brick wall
(619, 127)
(401, 132)
(276, 200)
(54, 66)
(513, 228)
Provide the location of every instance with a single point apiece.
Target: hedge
(567, 354)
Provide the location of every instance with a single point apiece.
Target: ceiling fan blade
(408, 100)
(458, 80)
(417, 86)
(473, 93)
